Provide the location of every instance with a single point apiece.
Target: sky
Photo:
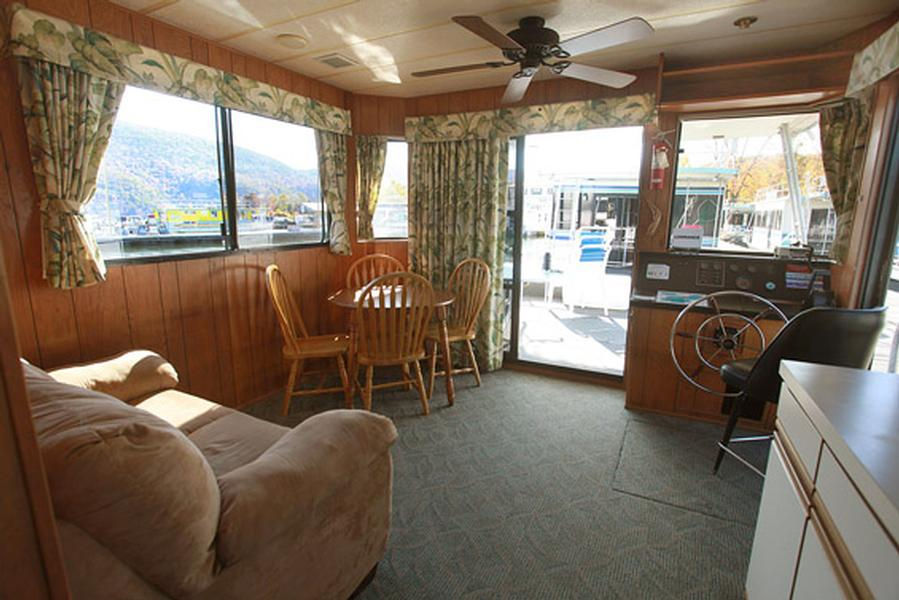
(594, 152)
(396, 163)
(754, 136)
(293, 145)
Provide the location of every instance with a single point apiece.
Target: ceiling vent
(335, 60)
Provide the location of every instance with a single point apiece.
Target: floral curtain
(638, 109)
(68, 118)
(875, 61)
(332, 179)
(371, 153)
(42, 37)
(844, 139)
(457, 211)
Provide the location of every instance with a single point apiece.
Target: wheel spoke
(714, 354)
(754, 320)
(718, 312)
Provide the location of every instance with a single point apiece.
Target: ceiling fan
(533, 45)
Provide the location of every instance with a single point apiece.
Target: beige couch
(160, 494)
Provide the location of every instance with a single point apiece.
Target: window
(276, 179)
(752, 184)
(391, 218)
(168, 170)
(158, 188)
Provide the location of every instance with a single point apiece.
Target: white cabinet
(828, 521)
(818, 577)
(781, 522)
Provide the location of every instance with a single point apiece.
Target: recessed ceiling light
(292, 41)
(745, 22)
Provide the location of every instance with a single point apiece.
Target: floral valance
(874, 62)
(38, 36)
(542, 118)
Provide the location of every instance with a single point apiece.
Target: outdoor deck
(582, 338)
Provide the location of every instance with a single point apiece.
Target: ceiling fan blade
(459, 69)
(622, 32)
(615, 79)
(480, 27)
(517, 87)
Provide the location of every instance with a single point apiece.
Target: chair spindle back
(367, 268)
(289, 317)
(392, 315)
(470, 282)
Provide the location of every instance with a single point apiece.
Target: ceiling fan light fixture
(292, 40)
(745, 22)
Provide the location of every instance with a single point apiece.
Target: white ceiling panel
(222, 19)
(391, 38)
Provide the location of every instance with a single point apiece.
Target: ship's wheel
(704, 337)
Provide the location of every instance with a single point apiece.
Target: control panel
(773, 278)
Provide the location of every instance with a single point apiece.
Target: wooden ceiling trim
(750, 101)
(762, 62)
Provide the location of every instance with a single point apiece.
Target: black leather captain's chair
(830, 336)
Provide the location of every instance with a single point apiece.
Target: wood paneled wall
(210, 316)
(30, 553)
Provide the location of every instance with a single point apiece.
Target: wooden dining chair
(299, 346)
(470, 283)
(391, 317)
(369, 267)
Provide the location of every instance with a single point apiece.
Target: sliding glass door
(572, 217)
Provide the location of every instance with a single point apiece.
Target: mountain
(144, 169)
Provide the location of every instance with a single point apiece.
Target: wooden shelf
(755, 64)
(761, 100)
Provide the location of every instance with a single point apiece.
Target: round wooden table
(346, 298)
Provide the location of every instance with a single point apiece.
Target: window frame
(228, 204)
(376, 238)
(706, 116)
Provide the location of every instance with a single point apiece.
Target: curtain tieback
(62, 207)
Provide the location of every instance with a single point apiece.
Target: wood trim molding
(30, 553)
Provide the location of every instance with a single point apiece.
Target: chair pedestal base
(736, 410)
(722, 450)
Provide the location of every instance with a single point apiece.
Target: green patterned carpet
(532, 487)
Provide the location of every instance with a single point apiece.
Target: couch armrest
(304, 468)
(130, 377)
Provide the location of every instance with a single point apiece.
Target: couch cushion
(235, 440)
(184, 411)
(130, 376)
(130, 480)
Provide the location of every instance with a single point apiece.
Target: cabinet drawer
(819, 575)
(872, 551)
(778, 531)
(798, 429)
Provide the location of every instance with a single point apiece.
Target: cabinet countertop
(857, 414)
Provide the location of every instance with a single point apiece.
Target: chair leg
(288, 391)
(735, 411)
(366, 393)
(345, 380)
(407, 378)
(420, 384)
(474, 363)
(433, 370)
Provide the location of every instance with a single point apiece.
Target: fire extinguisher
(659, 165)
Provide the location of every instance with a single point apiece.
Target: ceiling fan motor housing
(539, 43)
